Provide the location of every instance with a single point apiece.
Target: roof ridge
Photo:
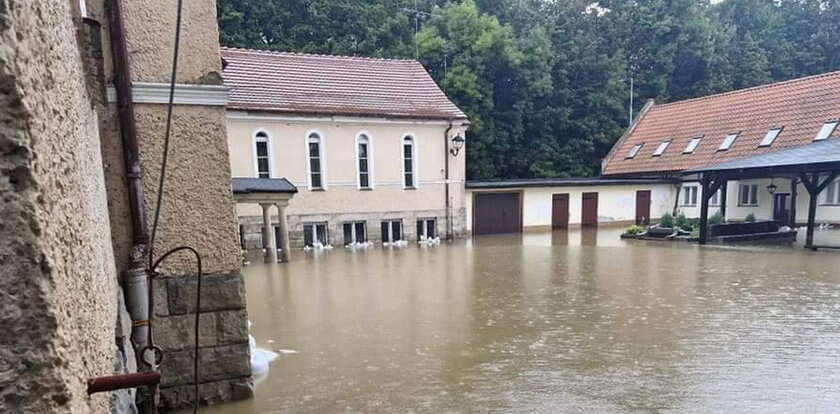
(750, 89)
(317, 55)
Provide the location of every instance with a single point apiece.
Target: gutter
(135, 278)
(446, 181)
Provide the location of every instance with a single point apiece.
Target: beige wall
(58, 284)
(616, 203)
(341, 194)
(764, 209)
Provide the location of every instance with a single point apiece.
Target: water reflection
(549, 322)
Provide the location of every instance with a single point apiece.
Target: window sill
(317, 189)
(409, 188)
(688, 205)
(830, 205)
(365, 188)
(749, 205)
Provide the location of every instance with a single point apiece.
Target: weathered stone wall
(198, 206)
(57, 277)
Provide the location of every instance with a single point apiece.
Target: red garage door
(496, 213)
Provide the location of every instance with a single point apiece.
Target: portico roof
(247, 185)
(817, 156)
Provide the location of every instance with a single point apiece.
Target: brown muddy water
(549, 323)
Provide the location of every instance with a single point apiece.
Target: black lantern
(457, 144)
(772, 187)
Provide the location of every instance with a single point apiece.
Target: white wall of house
(616, 203)
(341, 193)
(828, 211)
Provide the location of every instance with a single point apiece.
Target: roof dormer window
(661, 148)
(635, 151)
(770, 137)
(826, 130)
(728, 141)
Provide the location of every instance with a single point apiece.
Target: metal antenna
(417, 13)
(631, 100)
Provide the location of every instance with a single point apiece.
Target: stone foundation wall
(251, 226)
(224, 357)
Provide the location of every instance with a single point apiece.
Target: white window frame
(751, 193)
(315, 225)
(690, 192)
(254, 139)
(728, 141)
(826, 130)
(832, 189)
(414, 154)
(322, 146)
(692, 145)
(83, 11)
(353, 235)
(389, 237)
(370, 162)
(634, 151)
(770, 137)
(424, 228)
(661, 148)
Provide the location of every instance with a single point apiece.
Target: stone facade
(69, 233)
(251, 227)
(224, 373)
(55, 249)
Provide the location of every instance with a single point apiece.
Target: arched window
(409, 156)
(363, 154)
(262, 154)
(316, 170)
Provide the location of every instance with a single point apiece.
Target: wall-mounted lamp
(772, 187)
(457, 144)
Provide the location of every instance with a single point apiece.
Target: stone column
(268, 235)
(283, 229)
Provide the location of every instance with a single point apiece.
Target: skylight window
(635, 150)
(692, 145)
(770, 137)
(727, 142)
(661, 148)
(826, 130)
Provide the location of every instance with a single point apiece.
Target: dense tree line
(546, 82)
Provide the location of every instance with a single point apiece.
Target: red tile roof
(800, 106)
(333, 85)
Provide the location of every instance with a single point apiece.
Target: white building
(373, 147)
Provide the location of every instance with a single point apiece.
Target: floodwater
(576, 321)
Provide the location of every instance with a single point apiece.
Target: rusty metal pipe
(119, 382)
(128, 127)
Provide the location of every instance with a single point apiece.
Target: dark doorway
(589, 209)
(781, 208)
(643, 207)
(496, 213)
(560, 211)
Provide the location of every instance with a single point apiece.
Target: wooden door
(643, 207)
(496, 213)
(560, 211)
(589, 209)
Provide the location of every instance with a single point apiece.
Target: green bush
(684, 223)
(667, 220)
(634, 230)
(716, 218)
(750, 218)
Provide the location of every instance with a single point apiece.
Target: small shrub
(716, 218)
(750, 218)
(684, 223)
(634, 230)
(667, 220)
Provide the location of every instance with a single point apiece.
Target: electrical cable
(158, 207)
